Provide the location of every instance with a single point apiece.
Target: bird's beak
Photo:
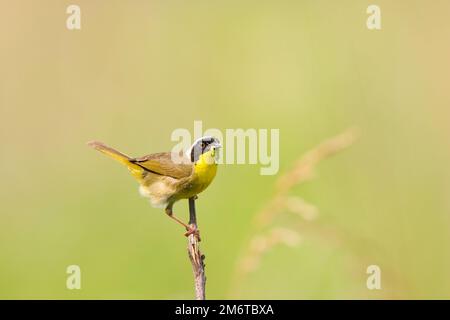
(217, 145)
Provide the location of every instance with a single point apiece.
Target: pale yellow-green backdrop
(137, 70)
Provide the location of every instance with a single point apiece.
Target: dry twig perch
(196, 257)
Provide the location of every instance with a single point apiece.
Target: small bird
(167, 177)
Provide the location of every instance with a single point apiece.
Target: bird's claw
(193, 230)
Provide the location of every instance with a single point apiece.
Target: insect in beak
(215, 151)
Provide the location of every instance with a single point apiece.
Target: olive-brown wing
(165, 164)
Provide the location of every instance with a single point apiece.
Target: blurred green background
(137, 70)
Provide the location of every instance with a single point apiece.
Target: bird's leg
(190, 229)
(169, 212)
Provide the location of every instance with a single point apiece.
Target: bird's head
(204, 148)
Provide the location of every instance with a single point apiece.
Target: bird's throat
(205, 170)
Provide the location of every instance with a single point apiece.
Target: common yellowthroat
(167, 177)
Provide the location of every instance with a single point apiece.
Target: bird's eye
(203, 145)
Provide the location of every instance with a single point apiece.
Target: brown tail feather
(113, 153)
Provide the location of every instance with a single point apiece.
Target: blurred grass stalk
(302, 170)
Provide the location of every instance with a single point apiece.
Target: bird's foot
(193, 230)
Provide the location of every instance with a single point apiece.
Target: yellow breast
(205, 170)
